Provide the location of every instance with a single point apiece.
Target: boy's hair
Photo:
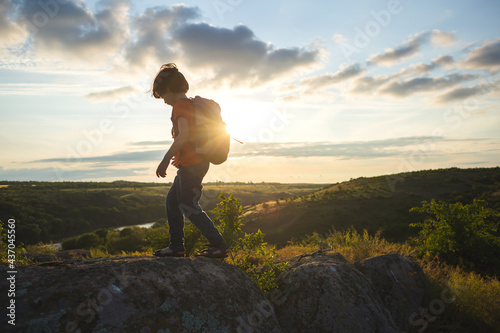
(168, 79)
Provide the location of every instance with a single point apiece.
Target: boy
(182, 199)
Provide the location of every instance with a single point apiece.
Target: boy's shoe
(170, 252)
(214, 252)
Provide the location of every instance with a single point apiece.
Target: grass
(471, 301)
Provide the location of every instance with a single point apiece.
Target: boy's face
(169, 98)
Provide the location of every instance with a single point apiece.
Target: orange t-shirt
(187, 155)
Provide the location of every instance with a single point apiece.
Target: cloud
(84, 174)
(152, 143)
(361, 149)
(151, 40)
(315, 83)
(236, 56)
(486, 56)
(325, 80)
(423, 69)
(344, 150)
(402, 84)
(424, 84)
(411, 47)
(121, 157)
(338, 39)
(408, 49)
(71, 29)
(419, 68)
(442, 38)
(112, 94)
(233, 57)
(462, 93)
(368, 84)
(12, 32)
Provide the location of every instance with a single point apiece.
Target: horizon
(319, 93)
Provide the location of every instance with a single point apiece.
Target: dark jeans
(182, 200)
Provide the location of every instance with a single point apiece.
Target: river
(58, 246)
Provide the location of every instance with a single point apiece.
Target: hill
(371, 203)
(52, 211)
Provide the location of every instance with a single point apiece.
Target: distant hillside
(373, 203)
(51, 211)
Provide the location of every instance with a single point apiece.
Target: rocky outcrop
(320, 292)
(399, 282)
(139, 294)
(324, 293)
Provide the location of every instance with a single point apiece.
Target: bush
(134, 240)
(70, 243)
(87, 241)
(249, 252)
(157, 238)
(460, 234)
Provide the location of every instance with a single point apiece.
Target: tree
(460, 233)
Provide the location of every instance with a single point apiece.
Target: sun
(244, 120)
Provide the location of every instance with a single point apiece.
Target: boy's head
(168, 79)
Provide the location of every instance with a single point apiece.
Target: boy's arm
(179, 141)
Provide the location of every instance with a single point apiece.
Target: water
(144, 225)
(58, 246)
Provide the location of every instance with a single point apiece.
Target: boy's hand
(161, 171)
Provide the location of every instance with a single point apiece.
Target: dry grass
(475, 298)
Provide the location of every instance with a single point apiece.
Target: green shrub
(133, 241)
(460, 234)
(157, 238)
(87, 241)
(70, 243)
(249, 252)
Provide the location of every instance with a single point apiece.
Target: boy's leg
(190, 193)
(175, 217)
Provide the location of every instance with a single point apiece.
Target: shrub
(460, 234)
(157, 238)
(249, 252)
(88, 240)
(70, 243)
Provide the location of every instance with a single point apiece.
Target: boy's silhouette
(182, 199)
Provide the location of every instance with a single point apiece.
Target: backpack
(211, 137)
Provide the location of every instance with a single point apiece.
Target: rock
(319, 292)
(324, 293)
(139, 294)
(399, 282)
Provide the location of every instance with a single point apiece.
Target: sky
(317, 91)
